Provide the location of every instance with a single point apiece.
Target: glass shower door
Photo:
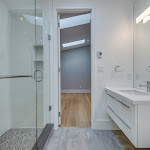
(17, 84)
(24, 74)
(41, 66)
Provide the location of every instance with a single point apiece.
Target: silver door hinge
(59, 114)
(50, 108)
(59, 69)
(58, 24)
(49, 37)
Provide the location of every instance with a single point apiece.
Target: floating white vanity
(130, 110)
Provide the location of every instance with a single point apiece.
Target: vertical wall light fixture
(145, 16)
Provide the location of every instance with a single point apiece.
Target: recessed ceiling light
(73, 43)
(21, 19)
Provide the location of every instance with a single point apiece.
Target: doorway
(74, 32)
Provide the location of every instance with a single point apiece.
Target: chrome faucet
(147, 85)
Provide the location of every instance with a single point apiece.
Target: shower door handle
(36, 77)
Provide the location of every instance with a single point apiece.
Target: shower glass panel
(23, 77)
(40, 64)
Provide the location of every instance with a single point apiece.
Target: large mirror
(141, 43)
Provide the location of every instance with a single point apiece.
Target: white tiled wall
(4, 70)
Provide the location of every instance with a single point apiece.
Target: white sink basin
(134, 92)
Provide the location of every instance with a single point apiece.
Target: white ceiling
(21, 4)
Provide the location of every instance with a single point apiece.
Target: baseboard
(76, 91)
(104, 125)
(3, 131)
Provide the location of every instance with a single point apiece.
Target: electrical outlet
(80, 85)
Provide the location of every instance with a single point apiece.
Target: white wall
(76, 70)
(23, 90)
(23, 108)
(113, 34)
(141, 46)
(18, 96)
(4, 70)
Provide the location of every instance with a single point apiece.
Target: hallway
(76, 110)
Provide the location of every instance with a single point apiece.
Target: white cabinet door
(143, 126)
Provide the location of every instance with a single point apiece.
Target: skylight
(31, 19)
(73, 43)
(75, 21)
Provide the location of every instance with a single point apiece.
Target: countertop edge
(126, 96)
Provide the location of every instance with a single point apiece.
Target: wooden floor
(76, 110)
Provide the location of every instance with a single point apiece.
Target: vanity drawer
(127, 110)
(129, 129)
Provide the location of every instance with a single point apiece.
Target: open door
(59, 71)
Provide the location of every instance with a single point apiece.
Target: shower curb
(44, 138)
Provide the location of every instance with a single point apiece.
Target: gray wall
(76, 68)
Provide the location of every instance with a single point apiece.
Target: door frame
(59, 70)
(57, 60)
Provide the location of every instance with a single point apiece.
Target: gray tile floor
(76, 138)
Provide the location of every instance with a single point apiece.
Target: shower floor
(19, 139)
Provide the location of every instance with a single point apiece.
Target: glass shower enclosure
(24, 74)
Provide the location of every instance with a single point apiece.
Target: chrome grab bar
(35, 76)
(17, 76)
(119, 117)
(119, 101)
